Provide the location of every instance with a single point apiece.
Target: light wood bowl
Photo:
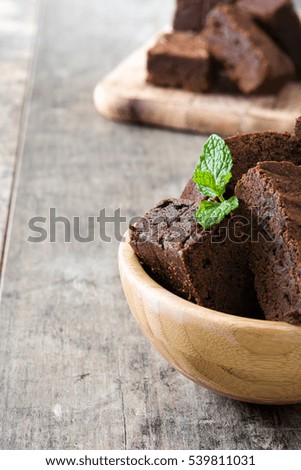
(250, 360)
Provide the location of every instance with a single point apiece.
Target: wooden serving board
(124, 95)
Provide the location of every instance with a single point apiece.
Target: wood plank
(63, 313)
(124, 95)
(18, 29)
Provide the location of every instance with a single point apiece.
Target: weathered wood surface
(17, 32)
(76, 371)
(124, 95)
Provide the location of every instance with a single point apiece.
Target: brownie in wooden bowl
(270, 195)
(249, 149)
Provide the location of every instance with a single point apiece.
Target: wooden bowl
(250, 360)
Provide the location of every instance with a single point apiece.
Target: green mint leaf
(212, 174)
(211, 212)
(213, 171)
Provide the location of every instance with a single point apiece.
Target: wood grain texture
(63, 314)
(17, 32)
(251, 360)
(124, 95)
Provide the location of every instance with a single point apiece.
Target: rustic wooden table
(76, 371)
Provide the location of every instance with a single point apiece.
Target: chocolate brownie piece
(252, 60)
(271, 194)
(249, 149)
(280, 20)
(221, 82)
(209, 268)
(191, 192)
(180, 60)
(298, 129)
(191, 14)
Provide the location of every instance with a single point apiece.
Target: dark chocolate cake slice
(180, 60)
(280, 20)
(270, 194)
(209, 267)
(250, 57)
(249, 149)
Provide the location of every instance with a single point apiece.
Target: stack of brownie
(250, 46)
(250, 264)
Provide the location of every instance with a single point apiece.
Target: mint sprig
(212, 174)
(211, 212)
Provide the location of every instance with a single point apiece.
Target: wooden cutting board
(124, 95)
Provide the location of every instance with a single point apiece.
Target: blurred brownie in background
(279, 19)
(191, 15)
(180, 60)
(252, 60)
